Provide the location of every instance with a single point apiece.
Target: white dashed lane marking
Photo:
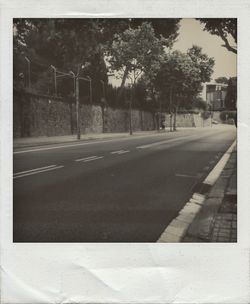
(36, 171)
(85, 158)
(88, 159)
(120, 152)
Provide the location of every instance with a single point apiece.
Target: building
(214, 94)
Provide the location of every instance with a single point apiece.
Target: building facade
(214, 94)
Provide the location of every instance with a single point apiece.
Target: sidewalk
(49, 140)
(217, 219)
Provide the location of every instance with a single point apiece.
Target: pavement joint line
(28, 171)
(81, 159)
(37, 172)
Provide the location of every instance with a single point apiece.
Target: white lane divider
(85, 158)
(88, 159)
(35, 171)
(164, 142)
(120, 152)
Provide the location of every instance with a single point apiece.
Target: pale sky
(191, 33)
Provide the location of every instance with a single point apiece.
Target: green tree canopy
(181, 75)
(231, 95)
(136, 50)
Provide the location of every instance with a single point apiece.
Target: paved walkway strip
(35, 171)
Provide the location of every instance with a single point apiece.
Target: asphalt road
(120, 190)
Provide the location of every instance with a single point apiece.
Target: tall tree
(231, 95)
(225, 28)
(180, 77)
(135, 51)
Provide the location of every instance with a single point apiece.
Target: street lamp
(76, 86)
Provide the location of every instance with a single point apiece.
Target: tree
(225, 28)
(66, 43)
(221, 80)
(180, 77)
(136, 50)
(231, 95)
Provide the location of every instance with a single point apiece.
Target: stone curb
(201, 228)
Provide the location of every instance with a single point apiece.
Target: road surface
(120, 190)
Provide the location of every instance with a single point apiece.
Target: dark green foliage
(224, 28)
(222, 80)
(231, 96)
(68, 43)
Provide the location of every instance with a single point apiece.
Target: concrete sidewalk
(217, 219)
(49, 140)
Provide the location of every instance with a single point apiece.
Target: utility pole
(29, 76)
(130, 114)
(55, 83)
(77, 110)
(76, 84)
(90, 89)
(170, 106)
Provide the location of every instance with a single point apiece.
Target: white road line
(91, 159)
(116, 152)
(37, 172)
(164, 142)
(37, 169)
(88, 143)
(81, 159)
(120, 152)
(125, 151)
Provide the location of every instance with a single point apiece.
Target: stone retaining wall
(35, 115)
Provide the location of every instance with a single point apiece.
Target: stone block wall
(36, 115)
(40, 116)
(188, 120)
